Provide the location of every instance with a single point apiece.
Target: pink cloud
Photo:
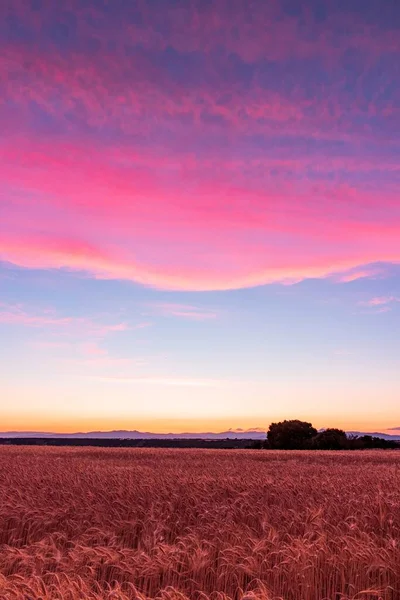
(266, 29)
(379, 304)
(130, 91)
(15, 315)
(78, 341)
(88, 354)
(380, 301)
(137, 99)
(231, 260)
(207, 234)
(19, 315)
(152, 175)
(50, 345)
(92, 349)
(353, 275)
(111, 363)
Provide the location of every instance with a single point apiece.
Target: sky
(199, 214)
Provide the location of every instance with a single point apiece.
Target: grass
(118, 524)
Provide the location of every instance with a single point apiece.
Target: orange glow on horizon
(31, 423)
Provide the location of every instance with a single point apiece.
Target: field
(118, 524)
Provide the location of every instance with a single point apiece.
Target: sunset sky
(199, 214)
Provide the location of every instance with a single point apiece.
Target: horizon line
(231, 431)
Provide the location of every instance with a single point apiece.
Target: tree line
(301, 435)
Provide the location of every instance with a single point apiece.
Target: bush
(330, 439)
(368, 442)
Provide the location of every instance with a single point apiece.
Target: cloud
(163, 381)
(214, 234)
(248, 430)
(15, 315)
(107, 363)
(18, 315)
(138, 93)
(183, 311)
(380, 304)
(354, 275)
(83, 352)
(261, 30)
(75, 341)
(199, 147)
(380, 301)
(50, 345)
(143, 71)
(92, 349)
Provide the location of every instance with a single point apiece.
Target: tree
(330, 439)
(290, 435)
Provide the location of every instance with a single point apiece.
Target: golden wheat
(121, 524)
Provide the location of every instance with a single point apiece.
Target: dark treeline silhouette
(300, 435)
(285, 435)
(229, 444)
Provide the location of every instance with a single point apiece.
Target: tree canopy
(330, 439)
(290, 435)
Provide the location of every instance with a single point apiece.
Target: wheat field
(121, 524)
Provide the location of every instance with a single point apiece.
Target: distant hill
(384, 436)
(122, 434)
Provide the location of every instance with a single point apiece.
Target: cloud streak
(18, 315)
(380, 301)
(163, 381)
(380, 304)
(184, 311)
